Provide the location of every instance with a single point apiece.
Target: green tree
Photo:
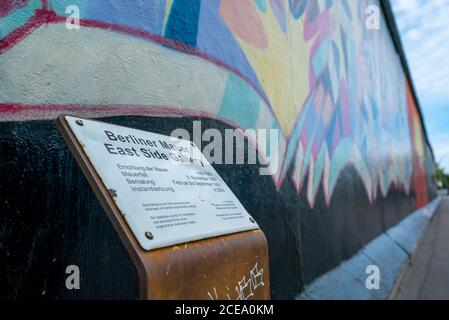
(441, 177)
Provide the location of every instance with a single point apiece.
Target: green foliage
(441, 177)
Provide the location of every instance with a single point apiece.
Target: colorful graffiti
(419, 153)
(335, 90)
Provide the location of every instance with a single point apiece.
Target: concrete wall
(354, 158)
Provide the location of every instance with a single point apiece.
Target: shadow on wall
(49, 217)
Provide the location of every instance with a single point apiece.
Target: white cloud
(424, 26)
(405, 5)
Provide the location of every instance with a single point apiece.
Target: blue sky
(424, 28)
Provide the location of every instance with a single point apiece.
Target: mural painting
(334, 89)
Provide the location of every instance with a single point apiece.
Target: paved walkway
(428, 275)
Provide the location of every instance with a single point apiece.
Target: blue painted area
(409, 231)
(240, 103)
(60, 7)
(18, 18)
(319, 61)
(347, 8)
(297, 8)
(139, 14)
(279, 13)
(313, 10)
(330, 134)
(215, 39)
(262, 5)
(390, 252)
(296, 134)
(346, 282)
(182, 23)
(274, 126)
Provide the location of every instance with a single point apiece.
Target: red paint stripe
(9, 6)
(41, 16)
(35, 112)
(15, 109)
(48, 16)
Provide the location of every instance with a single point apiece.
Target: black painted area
(48, 212)
(50, 218)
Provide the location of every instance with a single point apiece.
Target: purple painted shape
(216, 40)
(139, 14)
(319, 139)
(337, 135)
(279, 12)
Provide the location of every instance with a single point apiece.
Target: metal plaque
(163, 186)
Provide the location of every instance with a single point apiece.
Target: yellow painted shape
(282, 67)
(168, 5)
(419, 140)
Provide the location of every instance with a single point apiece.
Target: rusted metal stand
(232, 267)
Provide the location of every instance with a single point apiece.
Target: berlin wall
(353, 156)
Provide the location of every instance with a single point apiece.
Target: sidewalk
(428, 275)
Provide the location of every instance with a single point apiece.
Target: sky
(424, 29)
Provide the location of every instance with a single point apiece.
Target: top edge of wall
(392, 26)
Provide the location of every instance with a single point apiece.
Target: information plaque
(163, 186)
